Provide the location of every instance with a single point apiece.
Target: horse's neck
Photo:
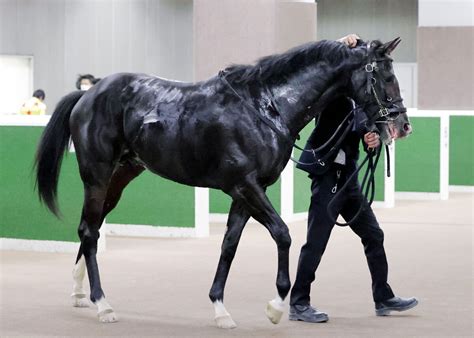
(305, 94)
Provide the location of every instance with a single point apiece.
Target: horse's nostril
(407, 127)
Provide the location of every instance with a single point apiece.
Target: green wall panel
(149, 199)
(417, 157)
(461, 150)
(302, 191)
(152, 200)
(301, 181)
(22, 216)
(219, 202)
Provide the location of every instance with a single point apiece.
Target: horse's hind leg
(238, 217)
(78, 296)
(94, 198)
(123, 175)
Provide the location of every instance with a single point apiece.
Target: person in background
(35, 104)
(327, 178)
(86, 81)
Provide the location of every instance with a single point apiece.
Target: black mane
(278, 64)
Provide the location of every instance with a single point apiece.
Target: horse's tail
(51, 149)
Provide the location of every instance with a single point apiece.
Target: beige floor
(159, 287)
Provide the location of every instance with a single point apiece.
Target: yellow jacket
(33, 106)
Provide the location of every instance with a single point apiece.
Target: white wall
(101, 37)
(407, 75)
(371, 19)
(16, 83)
(443, 13)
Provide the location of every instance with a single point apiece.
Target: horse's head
(375, 88)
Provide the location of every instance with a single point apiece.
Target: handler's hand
(349, 40)
(372, 140)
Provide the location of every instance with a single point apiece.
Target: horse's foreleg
(238, 217)
(262, 210)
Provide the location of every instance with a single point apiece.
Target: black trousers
(320, 226)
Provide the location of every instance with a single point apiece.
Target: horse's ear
(388, 47)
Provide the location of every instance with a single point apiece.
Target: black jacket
(326, 125)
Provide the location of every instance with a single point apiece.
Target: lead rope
(351, 113)
(322, 161)
(366, 190)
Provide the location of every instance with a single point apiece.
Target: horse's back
(180, 131)
(194, 134)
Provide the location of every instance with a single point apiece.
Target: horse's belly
(165, 151)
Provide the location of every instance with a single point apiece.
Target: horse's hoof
(107, 316)
(225, 322)
(80, 300)
(274, 311)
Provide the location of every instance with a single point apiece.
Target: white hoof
(105, 312)
(225, 322)
(274, 310)
(80, 300)
(107, 316)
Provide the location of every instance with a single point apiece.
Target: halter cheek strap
(384, 111)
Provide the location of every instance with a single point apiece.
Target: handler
(326, 179)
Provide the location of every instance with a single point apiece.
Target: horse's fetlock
(215, 295)
(96, 295)
(283, 288)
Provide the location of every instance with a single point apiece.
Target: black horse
(233, 132)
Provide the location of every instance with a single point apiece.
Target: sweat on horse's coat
(202, 134)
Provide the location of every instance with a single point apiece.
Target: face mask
(85, 86)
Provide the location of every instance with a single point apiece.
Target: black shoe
(394, 304)
(307, 313)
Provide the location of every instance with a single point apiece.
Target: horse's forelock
(374, 45)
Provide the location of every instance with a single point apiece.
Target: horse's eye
(386, 66)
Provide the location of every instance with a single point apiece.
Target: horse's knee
(229, 246)
(283, 240)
